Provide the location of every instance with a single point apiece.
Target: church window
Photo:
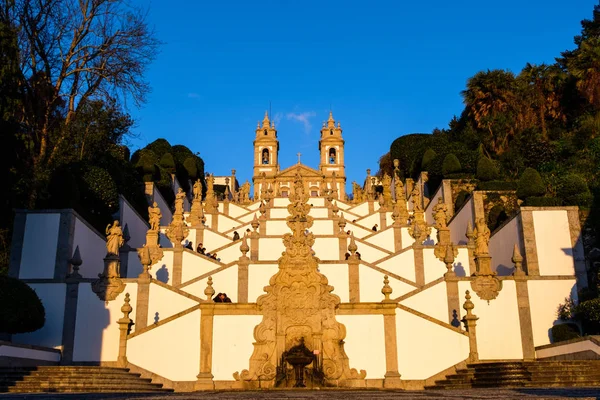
(265, 132)
(265, 156)
(284, 193)
(331, 132)
(332, 156)
(314, 193)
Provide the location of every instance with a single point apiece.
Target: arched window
(265, 156)
(266, 133)
(332, 156)
(331, 132)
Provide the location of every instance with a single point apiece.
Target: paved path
(473, 394)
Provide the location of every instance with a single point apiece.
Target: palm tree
(490, 100)
(584, 65)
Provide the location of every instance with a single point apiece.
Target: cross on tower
(299, 154)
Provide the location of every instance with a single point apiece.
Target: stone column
(142, 301)
(577, 243)
(214, 222)
(525, 318)
(70, 319)
(478, 209)
(124, 324)
(177, 264)
(470, 321)
(243, 264)
(392, 376)
(199, 234)
(205, 376)
(531, 258)
(447, 194)
(371, 204)
(254, 246)
(397, 236)
(382, 218)
(353, 272)
(419, 264)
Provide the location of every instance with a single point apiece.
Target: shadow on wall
(459, 270)
(455, 321)
(93, 319)
(574, 324)
(503, 270)
(162, 274)
(428, 242)
(156, 318)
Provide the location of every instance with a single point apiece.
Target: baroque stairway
(73, 379)
(567, 373)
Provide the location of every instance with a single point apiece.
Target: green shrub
(159, 147)
(459, 175)
(563, 332)
(462, 197)
(486, 169)
(168, 163)
(428, 157)
(496, 217)
(451, 165)
(146, 164)
(530, 184)
(22, 310)
(574, 190)
(192, 169)
(588, 312)
(535, 201)
(497, 185)
(99, 188)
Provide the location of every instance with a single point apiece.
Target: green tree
(530, 184)
(451, 165)
(486, 169)
(428, 157)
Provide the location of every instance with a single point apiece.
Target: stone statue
(482, 237)
(197, 190)
(416, 199)
(114, 238)
(399, 189)
(440, 215)
(154, 216)
(179, 198)
(386, 182)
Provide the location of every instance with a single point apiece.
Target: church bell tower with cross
(266, 152)
(331, 146)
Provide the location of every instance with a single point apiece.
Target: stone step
(115, 375)
(46, 379)
(81, 386)
(87, 390)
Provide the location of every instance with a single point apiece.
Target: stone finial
(386, 290)
(468, 305)
(262, 208)
(126, 308)
(449, 260)
(146, 260)
(209, 292)
(470, 234)
(517, 258)
(75, 262)
(342, 222)
(244, 248)
(381, 200)
(255, 224)
(470, 321)
(335, 209)
(352, 247)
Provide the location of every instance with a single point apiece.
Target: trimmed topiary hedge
(450, 165)
(574, 191)
(428, 157)
(168, 162)
(535, 201)
(496, 217)
(486, 170)
(497, 185)
(22, 310)
(563, 332)
(530, 184)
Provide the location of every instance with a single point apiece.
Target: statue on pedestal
(154, 216)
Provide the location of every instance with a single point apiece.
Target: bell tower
(266, 153)
(331, 146)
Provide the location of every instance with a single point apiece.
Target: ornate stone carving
(418, 228)
(386, 290)
(109, 284)
(486, 284)
(299, 303)
(177, 229)
(386, 182)
(517, 258)
(211, 206)
(400, 201)
(196, 213)
(154, 216)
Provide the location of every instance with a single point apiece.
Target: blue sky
(386, 68)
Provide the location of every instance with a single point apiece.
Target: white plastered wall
(135, 224)
(38, 255)
(502, 244)
(432, 301)
(213, 240)
(361, 209)
(369, 253)
(163, 270)
(270, 249)
(53, 299)
(171, 350)
(318, 212)
(92, 249)
(402, 264)
(230, 253)
(321, 227)
(384, 239)
(232, 344)
(134, 266)
(371, 283)
(498, 327)
(370, 221)
(327, 248)
(337, 275)
(358, 230)
(544, 299)
(434, 268)
(553, 241)
(458, 224)
(279, 213)
(426, 348)
(96, 328)
(258, 278)
(225, 281)
(407, 240)
(365, 343)
(163, 303)
(226, 223)
(194, 265)
(277, 228)
(236, 211)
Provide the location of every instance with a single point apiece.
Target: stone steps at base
(86, 390)
(105, 385)
(60, 375)
(54, 368)
(69, 380)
